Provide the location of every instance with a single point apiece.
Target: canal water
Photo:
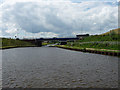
(50, 67)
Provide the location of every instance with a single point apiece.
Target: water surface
(50, 67)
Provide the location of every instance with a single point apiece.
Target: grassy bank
(81, 48)
(43, 44)
(10, 43)
(107, 42)
(92, 50)
(96, 45)
(114, 37)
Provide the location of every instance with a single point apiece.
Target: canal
(51, 67)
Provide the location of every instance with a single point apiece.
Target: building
(82, 36)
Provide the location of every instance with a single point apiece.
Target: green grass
(43, 44)
(114, 37)
(82, 48)
(114, 31)
(95, 41)
(95, 45)
(98, 41)
(7, 43)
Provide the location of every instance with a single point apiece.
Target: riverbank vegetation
(45, 43)
(84, 49)
(108, 42)
(10, 43)
(112, 35)
(97, 45)
(49, 42)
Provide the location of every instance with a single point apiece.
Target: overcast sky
(57, 18)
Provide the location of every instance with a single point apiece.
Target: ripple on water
(55, 67)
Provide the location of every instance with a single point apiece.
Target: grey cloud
(34, 17)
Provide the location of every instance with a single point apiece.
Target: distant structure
(38, 41)
(63, 43)
(82, 36)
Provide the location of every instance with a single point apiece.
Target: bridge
(58, 39)
(39, 41)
